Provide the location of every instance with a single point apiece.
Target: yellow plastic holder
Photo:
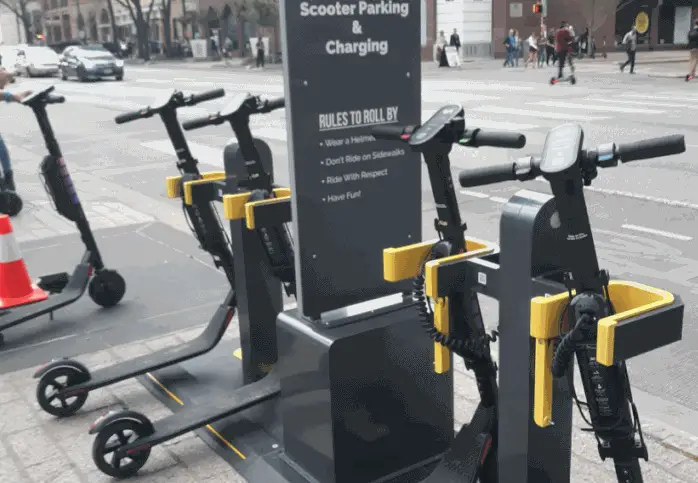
(645, 319)
(270, 212)
(173, 184)
(404, 263)
(234, 205)
(205, 178)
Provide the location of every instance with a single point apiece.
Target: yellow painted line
(238, 353)
(208, 426)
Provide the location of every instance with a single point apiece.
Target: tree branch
(11, 8)
(149, 11)
(127, 4)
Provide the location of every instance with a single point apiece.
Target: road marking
(637, 196)
(652, 231)
(643, 102)
(670, 97)
(454, 96)
(205, 154)
(474, 194)
(537, 114)
(497, 199)
(596, 107)
(469, 85)
(486, 123)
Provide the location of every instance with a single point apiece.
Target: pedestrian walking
(693, 50)
(550, 48)
(630, 42)
(563, 39)
(260, 53)
(5, 162)
(454, 41)
(517, 48)
(532, 42)
(509, 43)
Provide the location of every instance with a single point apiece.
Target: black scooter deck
(218, 408)
(73, 291)
(203, 343)
(462, 461)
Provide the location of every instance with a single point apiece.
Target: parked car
(90, 62)
(8, 60)
(34, 61)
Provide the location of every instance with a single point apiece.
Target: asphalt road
(641, 213)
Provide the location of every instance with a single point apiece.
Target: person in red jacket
(563, 38)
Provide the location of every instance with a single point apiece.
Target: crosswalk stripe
(538, 114)
(450, 97)
(486, 123)
(596, 107)
(643, 102)
(469, 85)
(664, 96)
(205, 154)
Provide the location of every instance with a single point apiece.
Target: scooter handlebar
(651, 148)
(389, 131)
(206, 96)
(55, 99)
(497, 139)
(487, 175)
(130, 116)
(273, 104)
(200, 122)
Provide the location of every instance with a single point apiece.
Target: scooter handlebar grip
(55, 99)
(199, 122)
(273, 104)
(487, 175)
(390, 131)
(651, 148)
(129, 116)
(207, 96)
(499, 139)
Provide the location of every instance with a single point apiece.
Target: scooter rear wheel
(10, 203)
(110, 439)
(52, 382)
(573, 80)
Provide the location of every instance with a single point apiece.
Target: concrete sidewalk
(35, 447)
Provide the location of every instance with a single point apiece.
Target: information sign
(349, 66)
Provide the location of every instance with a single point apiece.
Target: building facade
(472, 19)
(660, 23)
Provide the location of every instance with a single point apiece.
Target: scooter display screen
(435, 124)
(561, 148)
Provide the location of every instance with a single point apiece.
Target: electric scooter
(613, 416)
(64, 384)
(476, 442)
(570, 78)
(275, 240)
(124, 439)
(105, 287)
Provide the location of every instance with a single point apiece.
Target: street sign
(348, 66)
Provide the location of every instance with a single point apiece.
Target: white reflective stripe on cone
(9, 249)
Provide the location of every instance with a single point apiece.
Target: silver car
(34, 61)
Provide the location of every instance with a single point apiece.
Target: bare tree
(266, 12)
(166, 16)
(20, 9)
(112, 20)
(141, 19)
(594, 13)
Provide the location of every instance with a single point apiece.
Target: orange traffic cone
(15, 286)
